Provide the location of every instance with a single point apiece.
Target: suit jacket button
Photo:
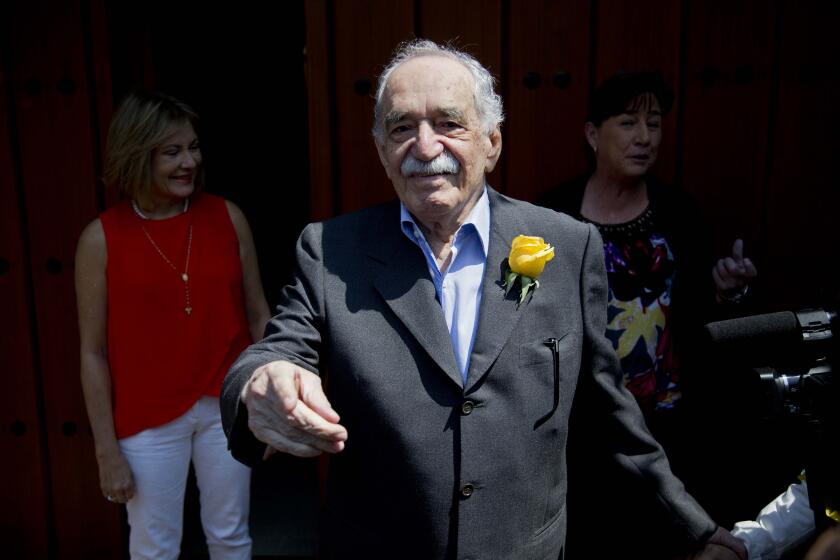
(467, 490)
(467, 407)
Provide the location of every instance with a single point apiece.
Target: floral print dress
(641, 269)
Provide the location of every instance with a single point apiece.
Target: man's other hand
(288, 410)
(827, 546)
(721, 546)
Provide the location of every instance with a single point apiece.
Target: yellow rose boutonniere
(526, 261)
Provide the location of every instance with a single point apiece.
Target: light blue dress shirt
(458, 287)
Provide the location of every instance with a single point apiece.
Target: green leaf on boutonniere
(526, 282)
(510, 280)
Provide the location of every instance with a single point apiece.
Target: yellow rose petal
(526, 240)
(528, 255)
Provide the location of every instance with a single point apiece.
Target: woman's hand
(733, 274)
(115, 478)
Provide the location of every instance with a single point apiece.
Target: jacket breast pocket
(547, 366)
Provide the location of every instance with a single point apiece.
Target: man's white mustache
(445, 163)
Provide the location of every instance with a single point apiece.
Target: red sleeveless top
(162, 360)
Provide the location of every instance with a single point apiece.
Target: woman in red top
(169, 294)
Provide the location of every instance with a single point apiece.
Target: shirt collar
(478, 219)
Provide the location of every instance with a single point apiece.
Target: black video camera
(793, 355)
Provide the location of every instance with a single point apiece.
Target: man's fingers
(269, 451)
(288, 410)
(749, 268)
(313, 423)
(301, 432)
(738, 250)
(716, 552)
(303, 398)
(299, 443)
(275, 382)
(718, 280)
(721, 275)
(724, 538)
(313, 395)
(297, 449)
(733, 267)
(282, 382)
(826, 547)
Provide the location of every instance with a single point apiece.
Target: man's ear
(590, 131)
(495, 151)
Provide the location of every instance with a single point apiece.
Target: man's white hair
(488, 103)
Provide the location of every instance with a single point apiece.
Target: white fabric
(159, 459)
(781, 525)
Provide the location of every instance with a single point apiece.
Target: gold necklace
(184, 275)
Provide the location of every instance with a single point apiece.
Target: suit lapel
(498, 314)
(403, 282)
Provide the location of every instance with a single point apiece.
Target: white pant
(160, 458)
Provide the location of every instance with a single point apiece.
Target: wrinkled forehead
(425, 80)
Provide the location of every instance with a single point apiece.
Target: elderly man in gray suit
(446, 394)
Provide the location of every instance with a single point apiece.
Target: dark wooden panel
(802, 233)
(728, 66)
(122, 50)
(366, 33)
(547, 87)
(632, 36)
(53, 110)
(103, 96)
(319, 94)
(130, 46)
(726, 108)
(471, 25)
(24, 515)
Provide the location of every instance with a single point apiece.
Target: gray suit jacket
(434, 468)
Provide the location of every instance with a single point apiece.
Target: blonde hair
(141, 124)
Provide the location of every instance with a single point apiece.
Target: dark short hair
(617, 92)
(141, 124)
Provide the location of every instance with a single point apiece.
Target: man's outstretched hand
(288, 410)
